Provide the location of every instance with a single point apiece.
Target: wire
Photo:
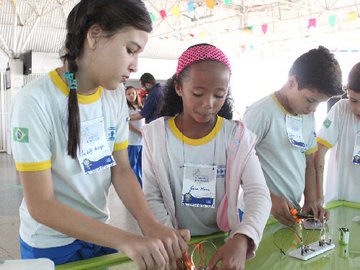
(201, 252)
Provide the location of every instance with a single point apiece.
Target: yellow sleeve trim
(121, 146)
(311, 150)
(323, 142)
(33, 167)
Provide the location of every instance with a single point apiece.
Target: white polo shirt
(39, 142)
(283, 165)
(339, 133)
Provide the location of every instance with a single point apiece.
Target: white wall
(161, 69)
(44, 62)
(4, 59)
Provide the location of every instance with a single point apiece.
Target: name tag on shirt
(294, 131)
(199, 185)
(356, 153)
(94, 153)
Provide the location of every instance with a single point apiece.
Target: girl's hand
(174, 241)
(280, 210)
(146, 252)
(232, 254)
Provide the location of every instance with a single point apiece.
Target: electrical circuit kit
(306, 252)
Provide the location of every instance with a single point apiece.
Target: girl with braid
(70, 144)
(199, 166)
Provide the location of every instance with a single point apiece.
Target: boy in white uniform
(284, 124)
(341, 132)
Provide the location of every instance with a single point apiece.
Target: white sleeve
(329, 131)
(31, 138)
(122, 130)
(257, 202)
(256, 120)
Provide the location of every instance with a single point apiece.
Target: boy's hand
(316, 209)
(280, 210)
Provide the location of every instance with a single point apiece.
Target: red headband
(201, 52)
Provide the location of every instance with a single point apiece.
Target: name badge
(94, 153)
(294, 131)
(199, 185)
(356, 153)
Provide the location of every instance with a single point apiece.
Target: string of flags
(163, 14)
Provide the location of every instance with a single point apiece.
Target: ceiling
(39, 25)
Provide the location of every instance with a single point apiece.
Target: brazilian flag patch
(20, 134)
(327, 123)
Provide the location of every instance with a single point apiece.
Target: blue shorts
(77, 250)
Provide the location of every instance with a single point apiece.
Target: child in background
(285, 128)
(341, 132)
(197, 162)
(135, 137)
(70, 143)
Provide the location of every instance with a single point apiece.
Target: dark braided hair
(172, 103)
(111, 16)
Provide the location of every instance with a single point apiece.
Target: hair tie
(71, 80)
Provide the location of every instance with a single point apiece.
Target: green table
(268, 255)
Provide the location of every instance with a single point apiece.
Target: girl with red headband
(200, 169)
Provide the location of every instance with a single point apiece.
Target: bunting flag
(191, 6)
(210, 4)
(202, 35)
(352, 16)
(153, 17)
(264, 28)
(163, 14)
(312, 22)
(175, 11)
(332, 20)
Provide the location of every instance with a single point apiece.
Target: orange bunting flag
(163, 14)
(175, 11)
(352, 16)
(210, 4)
